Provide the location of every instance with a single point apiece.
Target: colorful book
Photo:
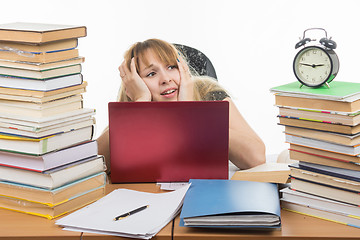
(43, 127)
(55, 177)
(41, 85)
(31, 146)
(40, 96)
(37, 33)
(319, 202)
(322, 174)
(319, 144)
(39, 48)
(319, 104)
(231, 203)
(322, 126)
(41, 66)
(45, 109)
(55, 196)
(326, 191)
(46, 57)
(322, 157)
(322, 213)
(51, 211)
(339, 91)
(44, 74)
(338, 138)
(49, 160)
(344, 118)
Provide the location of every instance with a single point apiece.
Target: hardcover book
(26, 32)
(55, 177)
(41, 85)
(326, 191)
(319, 202)
(41, 66)
(339, 91)
(39, 48)
(42, 74)
(33, 146)
(51, 211)
(55, 196)
(49, 160)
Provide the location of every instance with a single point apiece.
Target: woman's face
(163, 80)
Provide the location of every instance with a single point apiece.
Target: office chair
(197, 60)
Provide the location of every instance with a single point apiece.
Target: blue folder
(207, 197)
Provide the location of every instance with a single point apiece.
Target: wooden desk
(16, 226)
(294, 226)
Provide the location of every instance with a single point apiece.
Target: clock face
(313, 66)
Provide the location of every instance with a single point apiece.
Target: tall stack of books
(49, 164)
(322, 126)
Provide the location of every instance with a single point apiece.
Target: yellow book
(49, 211)
(52, 197)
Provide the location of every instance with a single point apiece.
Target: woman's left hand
(186, 88)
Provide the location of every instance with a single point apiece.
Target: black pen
(125, 215)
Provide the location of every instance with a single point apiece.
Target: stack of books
(323, 128)
(49, 164)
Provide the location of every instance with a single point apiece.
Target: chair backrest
(197, 60)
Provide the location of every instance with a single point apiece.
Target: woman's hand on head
(186, 86)
(135, 86)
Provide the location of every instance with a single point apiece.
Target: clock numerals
(312, 65)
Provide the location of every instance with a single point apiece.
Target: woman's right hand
(135, 86)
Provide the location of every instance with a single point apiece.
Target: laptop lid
(168, 141)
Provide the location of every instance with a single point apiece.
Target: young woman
(154, 70)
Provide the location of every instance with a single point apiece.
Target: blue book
(231, 203)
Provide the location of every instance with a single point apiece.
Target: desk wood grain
(20, 226)
(294, 226)
(16, 226)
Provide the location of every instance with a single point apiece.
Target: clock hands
(312, 65)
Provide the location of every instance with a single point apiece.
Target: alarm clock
(316, 64)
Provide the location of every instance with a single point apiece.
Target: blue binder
(231, 198)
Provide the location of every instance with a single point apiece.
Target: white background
(250, 43)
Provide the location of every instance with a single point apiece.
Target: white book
(51, 73)
(49, 160)
(37, 123)
(44, 145)
(28, 131)
(42, 109)
(319, 202)
(41, 85)
(328, 146)
(55, 178)
(321, 213)
(40, 66)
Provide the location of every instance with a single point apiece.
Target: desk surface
(15, 225)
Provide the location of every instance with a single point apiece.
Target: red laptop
(168, 141)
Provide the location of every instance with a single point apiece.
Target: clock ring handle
(325, 41)
(315, 29)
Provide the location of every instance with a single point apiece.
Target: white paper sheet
(98, 217)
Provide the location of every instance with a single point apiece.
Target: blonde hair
(168, 54)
